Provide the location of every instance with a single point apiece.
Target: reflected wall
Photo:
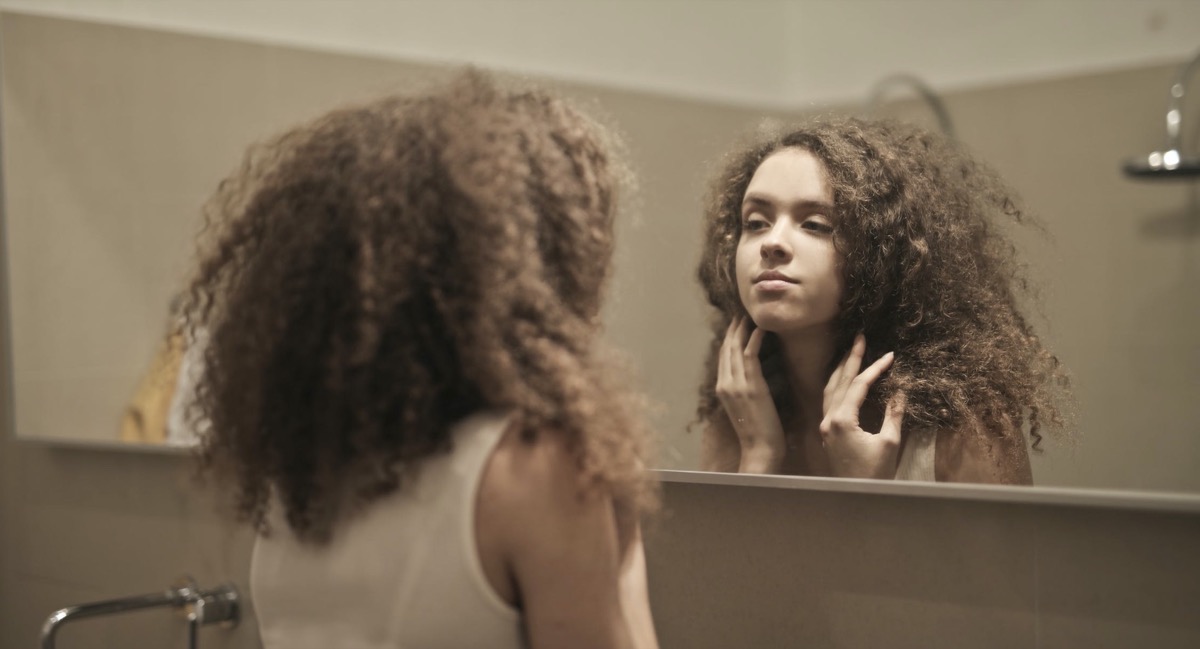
(113, 138)
(1119, 266)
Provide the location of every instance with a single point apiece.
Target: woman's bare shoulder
(555, 541)
(530, 465)
(533, 486)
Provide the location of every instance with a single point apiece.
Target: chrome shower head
(927, 94)
(1164, 164)
(1174, 161)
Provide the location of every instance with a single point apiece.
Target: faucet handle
(220, 605)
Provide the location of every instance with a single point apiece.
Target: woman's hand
(852, 451)
(744, 394)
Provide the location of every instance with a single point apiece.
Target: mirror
(114, 136)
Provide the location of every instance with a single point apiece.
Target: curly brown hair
(380, 273)
(928, 272)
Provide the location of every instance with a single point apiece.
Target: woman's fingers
(854, 360)
(833, 386)
(737, 343)
(739, 355)
(846, 370)
(894, 417)
(742, 331)
(724, 367)
(744, 394)
(856, 391)
(854, 452)
(753, 345)
(724, 352)
(740, 350)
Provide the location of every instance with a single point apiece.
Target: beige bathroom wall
(771, 53)
(753, 566)
(82, 526)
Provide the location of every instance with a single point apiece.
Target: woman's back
(403, 573)
(372, 278)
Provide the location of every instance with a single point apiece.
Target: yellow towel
(145, 418)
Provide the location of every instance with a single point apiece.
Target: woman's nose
(774, 247)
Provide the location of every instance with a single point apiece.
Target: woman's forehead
(790, 176)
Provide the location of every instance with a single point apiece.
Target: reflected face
(789, 275)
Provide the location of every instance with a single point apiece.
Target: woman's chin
(783, 324)
(770, 322)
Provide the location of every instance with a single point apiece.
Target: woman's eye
(817, 226)
(754, 224)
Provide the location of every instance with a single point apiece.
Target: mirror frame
(1161, 501)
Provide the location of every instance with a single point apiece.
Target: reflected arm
(720, 450)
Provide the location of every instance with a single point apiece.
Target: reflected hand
(852, 451)
(744, 394)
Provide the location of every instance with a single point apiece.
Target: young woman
(402, 386)
(869, 312)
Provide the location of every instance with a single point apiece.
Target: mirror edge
(1160, 501)
(8, 378)
(105, 446)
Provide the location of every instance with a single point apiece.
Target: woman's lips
(773, 285)
(773, 281)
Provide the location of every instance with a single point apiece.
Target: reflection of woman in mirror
(870, 323)
(147, 416)
(156, 413)
(403, 387)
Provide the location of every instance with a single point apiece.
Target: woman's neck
(809, 353)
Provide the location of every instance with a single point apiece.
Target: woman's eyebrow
(759, 201)
(806, 206)
(756, 199)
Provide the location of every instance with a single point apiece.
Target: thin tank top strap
(917, 456)
(476, 436)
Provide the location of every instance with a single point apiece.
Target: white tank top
(917, 456)
(403, 573)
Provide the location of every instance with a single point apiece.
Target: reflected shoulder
(975, 456)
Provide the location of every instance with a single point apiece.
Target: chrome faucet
(200, 607)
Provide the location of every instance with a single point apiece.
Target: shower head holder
(1174, 161)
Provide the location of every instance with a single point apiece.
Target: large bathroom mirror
(113, 136)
